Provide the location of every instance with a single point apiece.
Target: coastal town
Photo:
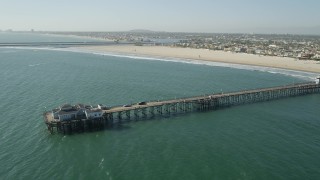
(302, 47)
(294, 46)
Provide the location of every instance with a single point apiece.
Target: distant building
(237, 49)
(305, 56)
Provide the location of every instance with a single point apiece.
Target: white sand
(209, 55)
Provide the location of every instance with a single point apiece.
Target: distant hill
(143, 31)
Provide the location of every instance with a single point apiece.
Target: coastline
(210, 56)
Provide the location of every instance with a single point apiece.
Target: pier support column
(119, 117)
(136, 114)
(128, 115)
(159, 110)
(151, 112)
(144, 113)
(167, 109)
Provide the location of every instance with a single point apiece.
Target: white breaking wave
(32, 65)
(293, 73)
(297, 74)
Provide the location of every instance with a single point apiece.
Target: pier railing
(214, 94)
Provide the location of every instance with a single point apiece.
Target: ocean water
(270, 140)
(19, 37)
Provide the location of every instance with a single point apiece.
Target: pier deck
(119, 114)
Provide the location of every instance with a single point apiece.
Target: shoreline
(209, 56)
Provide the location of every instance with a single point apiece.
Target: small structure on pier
(93, 113)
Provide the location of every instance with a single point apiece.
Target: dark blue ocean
(270, 140)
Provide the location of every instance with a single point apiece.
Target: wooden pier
(159, 109)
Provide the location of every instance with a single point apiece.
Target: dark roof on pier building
(67, 107)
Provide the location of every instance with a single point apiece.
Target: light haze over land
(248, 16)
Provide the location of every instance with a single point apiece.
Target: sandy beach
(210, 55)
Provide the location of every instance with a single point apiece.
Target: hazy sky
(258, 16)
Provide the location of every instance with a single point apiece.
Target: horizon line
(151, 31)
